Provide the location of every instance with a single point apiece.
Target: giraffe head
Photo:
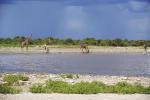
(29, 39)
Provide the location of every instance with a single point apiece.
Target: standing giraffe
(26, 42)
(46, 48)
(145, 48)
(84, 46)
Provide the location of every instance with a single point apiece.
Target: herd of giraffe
(26, 42)
(83, 46)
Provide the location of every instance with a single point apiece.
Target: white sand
(30, 96)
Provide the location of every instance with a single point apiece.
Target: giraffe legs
(82, 50)
(85, 50)
(26, 48)
(145, 51)
(22, 47)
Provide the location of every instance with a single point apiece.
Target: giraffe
(46, 48)
(84, 46)
(145, 47)
(26, 42)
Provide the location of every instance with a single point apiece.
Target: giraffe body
(26, 43)
(84, 48)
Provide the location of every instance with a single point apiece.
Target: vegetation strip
(88, 88)
(13, 84)
(14, 42)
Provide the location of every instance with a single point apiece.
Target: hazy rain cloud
(76, 18)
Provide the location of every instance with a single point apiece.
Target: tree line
(16, 41)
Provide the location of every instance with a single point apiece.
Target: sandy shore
(74, 50)
(29, 96)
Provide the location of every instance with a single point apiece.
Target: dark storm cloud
(78, 2)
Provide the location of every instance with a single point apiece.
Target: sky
(101, 19)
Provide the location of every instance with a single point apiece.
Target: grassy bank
(88, 88)
(70, 84)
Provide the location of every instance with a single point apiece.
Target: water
(102, 64)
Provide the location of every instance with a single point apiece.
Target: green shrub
(124, 87)
(146, 90)
(58, 86)
(142, 89)
(71, 76)
(86, 88)
(11, 79)
(37, 88)
(7, 89)
(77, 76)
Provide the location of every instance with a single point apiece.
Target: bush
(37, 88)
(11, 79)
(86, 88)
(58, 86)
(124, 87)
(71, 76)
(146, 90)
(7, 89)
(77, 76)
(51, 86)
